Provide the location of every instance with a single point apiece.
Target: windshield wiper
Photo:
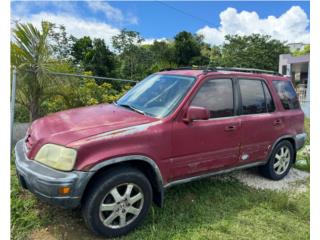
(132, 108)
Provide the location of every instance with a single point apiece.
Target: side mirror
(196, 113)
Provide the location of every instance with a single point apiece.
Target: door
(261, 125)
(205, 145)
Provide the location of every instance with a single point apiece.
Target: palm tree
(30, 54)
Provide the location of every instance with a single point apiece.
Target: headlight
(57, 157)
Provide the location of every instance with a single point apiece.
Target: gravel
(296, 180)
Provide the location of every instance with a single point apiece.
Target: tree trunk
(34, 111)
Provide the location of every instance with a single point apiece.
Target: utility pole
(13, 101)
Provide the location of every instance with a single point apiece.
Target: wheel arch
(289, 138)
(142, 163)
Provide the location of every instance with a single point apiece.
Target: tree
(102, 61)
(187, 47)
(215, 56)
(94, 56)
(137, 64)
(60, 42)
(163, 52)
(253, 51)
(81, 49)
(126, 41)
(131, 55)
(204, 58)
(304, 51)
(30, 53)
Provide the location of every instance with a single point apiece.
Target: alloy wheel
(121, 205)
(281, 160)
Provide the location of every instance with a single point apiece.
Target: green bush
(86, 93)
(303, 155)
(21, 113)
(72, 95)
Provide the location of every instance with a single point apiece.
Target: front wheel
(117, 202)
(280, 161)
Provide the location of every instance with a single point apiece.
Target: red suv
(174, 127)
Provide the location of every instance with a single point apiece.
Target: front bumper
(45, 182)
(300, 140)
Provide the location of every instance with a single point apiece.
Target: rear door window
(252, 97)
(287, 94)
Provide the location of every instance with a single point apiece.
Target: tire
(280, 162)
(105, 201)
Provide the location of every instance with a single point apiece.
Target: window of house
(217, 96)
(252, 96)
(284, 69)
(287, 94)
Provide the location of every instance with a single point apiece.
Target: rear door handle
(277, 122)
(230, 128)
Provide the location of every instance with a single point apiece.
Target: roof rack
(248, 70)
(207, 69)
(204, 68)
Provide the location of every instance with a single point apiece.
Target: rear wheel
(280, 161)
(117, 202)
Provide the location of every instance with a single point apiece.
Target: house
(297, 67)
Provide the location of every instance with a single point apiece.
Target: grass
(213, 209)
(208, 209)
(302, 155)
(25, 212)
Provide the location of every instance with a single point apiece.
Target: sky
(159, 20)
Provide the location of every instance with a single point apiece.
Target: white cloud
(76, 26)
(151, 40)
(111, 13)
(291, 26)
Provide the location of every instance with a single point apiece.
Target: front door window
(217, 96)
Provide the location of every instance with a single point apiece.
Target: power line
(95, 77)
(185, 13)
(83, 76)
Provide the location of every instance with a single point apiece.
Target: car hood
(68, 126)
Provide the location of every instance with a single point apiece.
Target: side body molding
(159, 179)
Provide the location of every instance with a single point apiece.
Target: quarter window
(217, 96)
(287, 94)
(252, 96)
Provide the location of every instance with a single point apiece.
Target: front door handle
(230, 128)
(277, 122)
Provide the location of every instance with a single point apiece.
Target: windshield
(157, 95)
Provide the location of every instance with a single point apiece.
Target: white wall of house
(306, 106)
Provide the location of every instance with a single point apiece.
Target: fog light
(64, 190)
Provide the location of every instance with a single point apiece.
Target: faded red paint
(69, 126)
(179, 149)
